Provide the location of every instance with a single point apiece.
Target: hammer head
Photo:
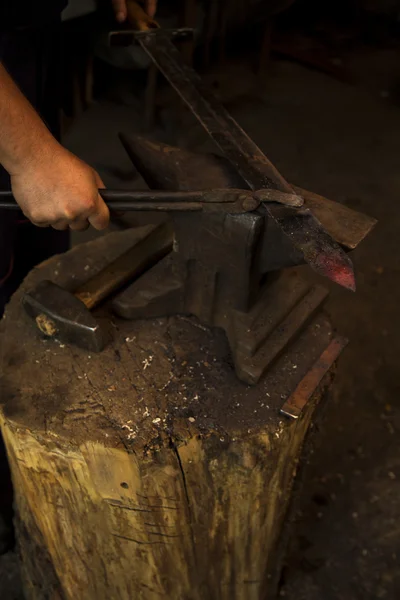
(59, 314)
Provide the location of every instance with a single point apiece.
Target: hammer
(66, 316)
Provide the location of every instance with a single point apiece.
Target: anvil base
(287, 308)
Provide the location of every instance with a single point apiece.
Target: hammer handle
(130, 265)
(138, 18)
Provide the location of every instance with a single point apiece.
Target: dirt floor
(340, 140)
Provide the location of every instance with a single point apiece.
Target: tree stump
(148, 470)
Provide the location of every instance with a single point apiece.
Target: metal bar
(227, 195)
(238, 147)
(296, 403)
(155, 206)
(224, 200)
(153, 200)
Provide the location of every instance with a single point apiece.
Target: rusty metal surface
(318, 248)
(297, 401)
(347, 226)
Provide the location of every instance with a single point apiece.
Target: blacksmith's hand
(120, 9)
(56, 188)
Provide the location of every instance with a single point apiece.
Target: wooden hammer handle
(156, 244)
(138, 18)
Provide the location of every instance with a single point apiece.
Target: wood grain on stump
(148, 470)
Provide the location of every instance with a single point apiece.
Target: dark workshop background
(317, 85)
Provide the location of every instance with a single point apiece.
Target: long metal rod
(164, 200)
(304, 391)
(143, 199)
(155, 200)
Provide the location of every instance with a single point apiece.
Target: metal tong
(217, 200)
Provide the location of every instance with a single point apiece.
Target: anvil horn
(165, 167)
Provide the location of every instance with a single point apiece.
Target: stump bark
(148, 470)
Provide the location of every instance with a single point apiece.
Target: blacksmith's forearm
(24, 138)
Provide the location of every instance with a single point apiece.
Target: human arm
(51, 185)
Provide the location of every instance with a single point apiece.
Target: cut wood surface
(147, 471)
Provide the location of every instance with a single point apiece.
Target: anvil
(228, 257)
